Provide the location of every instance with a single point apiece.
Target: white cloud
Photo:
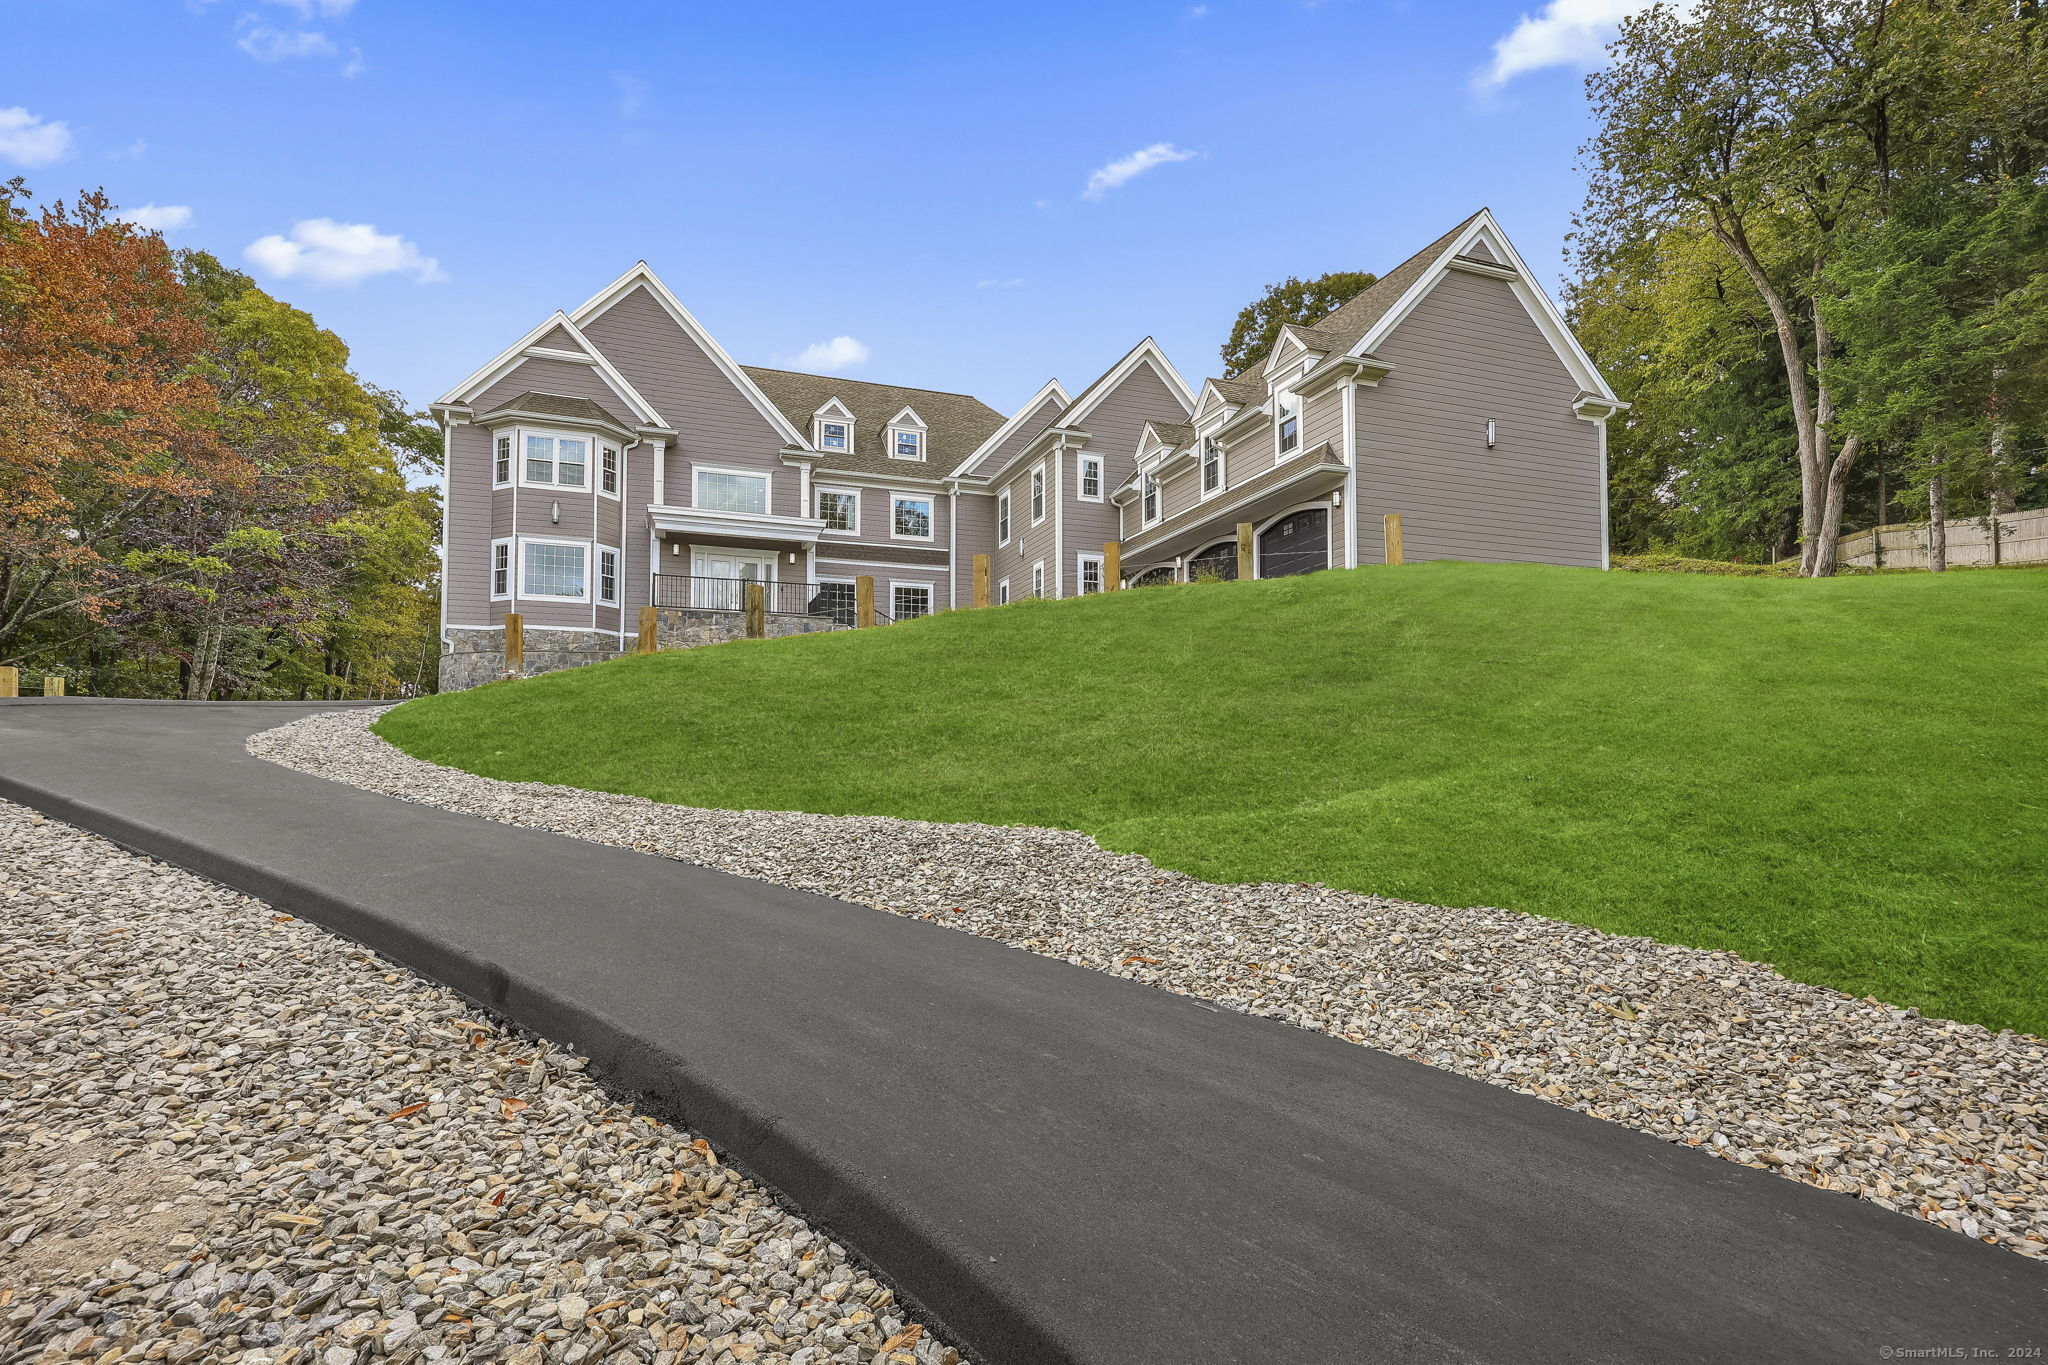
(354, 66)
(1127, 168)
(326, 252)
(132, 152)
(1564, 33)
(833, 357)
(306, 9)
(268, 44)
(1198, 11)
(159, 217)
(28, 140)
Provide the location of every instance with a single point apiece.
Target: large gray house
(616, 457)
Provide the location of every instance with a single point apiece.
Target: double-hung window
(909, 600)
(908, 445)
(1038, 579)
(839, 509)
(730, 490)
(553, 568)
(1287, 415)
(1003, 517)
(910, 516)
(1088, 478)
(501, 463)
(1212, 464)
(1150, 497)
(1003, 593)
(560, 460)
(1038, 495)
(501, 568)
(608, 576)
(834, 436)
(1090, 567)
(608, 471)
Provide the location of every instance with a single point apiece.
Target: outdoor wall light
(1491, 433)
(675, 547)
(555, 512)
(1336, 497)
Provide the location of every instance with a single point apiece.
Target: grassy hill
(1843, 777)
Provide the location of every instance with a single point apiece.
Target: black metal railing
(782, 597)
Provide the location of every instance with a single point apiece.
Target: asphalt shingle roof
(955, 423)
(557, 405)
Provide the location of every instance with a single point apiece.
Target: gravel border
(1936, 1119)
(227, 1135)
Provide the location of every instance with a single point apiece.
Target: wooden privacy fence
(1973, 542)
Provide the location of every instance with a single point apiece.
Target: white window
(1088, 480)
(835, 435)
(501, 569)
(554, 568)
(1003, 593)
(1038, 495)
(560, 460)
(839, 509)
(837, 598)
(501, 466)
(732, 490)
(910, 600)
(1003, 517)
(910, 516)
(906, 445)
(1038, 579)
(608, 576)
(1287, 417)
(1090, 574)
(1212, 464)
(1150, 503)
(608, 471)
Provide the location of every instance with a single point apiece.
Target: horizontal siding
(1322, 419)
(1470, 352)
(563, 377)
(1034, 423)
(1114, 429)
(469, 527)
(976, 534)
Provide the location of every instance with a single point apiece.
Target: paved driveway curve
(1054, 1164)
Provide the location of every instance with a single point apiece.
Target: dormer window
(834, 435)
(909, 445)
(832, 428)
(1287, 417)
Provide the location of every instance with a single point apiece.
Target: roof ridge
(871, 383)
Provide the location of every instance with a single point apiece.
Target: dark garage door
(1297, 543)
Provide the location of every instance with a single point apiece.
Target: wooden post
(1245, 565)
(10, 681)
(1393, 535)
(981, 580)
(53, 686)
(864, 600)
(755, 601)
(515, 643)
(1112, 565)
(650, 630)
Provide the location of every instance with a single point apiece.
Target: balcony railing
(783, 598)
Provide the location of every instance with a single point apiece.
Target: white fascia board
(1146, 352)
(489, 373)
(1051, 388)
(1533, 299)
(642, 277)
(907, 418)
(834, 409)
(642, 408)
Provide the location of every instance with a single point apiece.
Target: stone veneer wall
(477, 656)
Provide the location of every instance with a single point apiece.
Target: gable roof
(1144, 353)
(557, 323)
(1172, 435)
(955, 423)
(557, 405)
(1040, 411)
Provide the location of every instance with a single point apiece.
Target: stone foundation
(476, 656)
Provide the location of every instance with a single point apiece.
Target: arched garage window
(1297, 543)
(1219, 561)
(1152, 578)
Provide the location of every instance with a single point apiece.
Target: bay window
(501, 464)
(559, 460)
(608, 471)
(554, 568)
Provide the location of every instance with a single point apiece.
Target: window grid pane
(540, 459)
(554, 571)
(835, 600)
(914, 517)
(732, 492)
(1091, 478)
(906, 444)
(912, 601)
(570, 458)
(832, 436)
(501, 468)
(838, 510)
(501, 570)
(611, 470)
(607, 576)
(1091, 576)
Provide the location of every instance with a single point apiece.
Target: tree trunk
(1829, 542)
(1937, 521)
(1787, 543)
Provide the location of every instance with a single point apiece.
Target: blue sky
(950, 196)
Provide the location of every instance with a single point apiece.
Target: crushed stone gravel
(229, 1136)
(1943, 1121)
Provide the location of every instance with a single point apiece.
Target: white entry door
(721, 576)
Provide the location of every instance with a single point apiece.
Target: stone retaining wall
(476, 656)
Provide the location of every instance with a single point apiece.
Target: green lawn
(1846, 778)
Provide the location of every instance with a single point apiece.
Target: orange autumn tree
(102, 413)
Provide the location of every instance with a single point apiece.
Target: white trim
(1002, 592)
(1350, 517)
(1145, 352)
(1537, 303)
(1036, 492)
(818, 493)
(1059, 520)
(931, 596)
(617, 448)
(772, 558)
(1280, 395)
(660, 472)
(1605, 555)
(597, 576)
(1082, 460)
(916, 427)
(510, 436)
(523, 434)
(642, 277)
(1202, 444)
(1005, 509)
(491, 593)
(642, 409)
(1038, 578)
(1082, 559)
(898, 565)
(522, 350)
(1051, 387)
(1150, 482)
(483, 377)
(834, 413)
(931, 516)
(583, 545)
(767, 477)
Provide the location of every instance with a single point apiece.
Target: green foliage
(1837, 776)
(1298, 301)
(1669, 563)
